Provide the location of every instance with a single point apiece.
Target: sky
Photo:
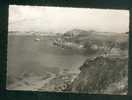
(62, 19)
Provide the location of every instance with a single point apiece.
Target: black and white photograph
(67, 49)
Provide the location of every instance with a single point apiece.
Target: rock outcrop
(107, 75)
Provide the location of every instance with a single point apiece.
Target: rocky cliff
(107, 75)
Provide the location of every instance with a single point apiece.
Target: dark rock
(99, 73)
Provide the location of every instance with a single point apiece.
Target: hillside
(92, 42)
(106, 68)
(105, 75)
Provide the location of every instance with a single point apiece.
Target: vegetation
(99, 73)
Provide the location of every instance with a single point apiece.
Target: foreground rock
(107, 75)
